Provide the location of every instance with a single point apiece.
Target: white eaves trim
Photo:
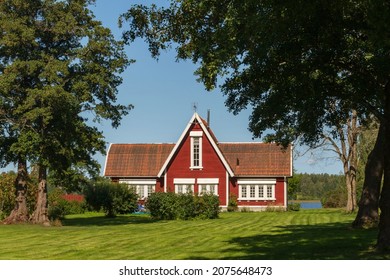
(206, 132)
(138, 181)
(259, 181)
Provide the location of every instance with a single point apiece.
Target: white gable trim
(206, 132)
(105, 162)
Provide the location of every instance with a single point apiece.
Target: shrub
(232, 205)
(162, 206)
(294, 206)
(207, 206)
(185, 206)
(170, 206)
(61, 204)
(112, 198)
(334, 199)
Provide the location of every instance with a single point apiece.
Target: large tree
(371, 160)
(300, 65)
(58, 66)
(343, 140)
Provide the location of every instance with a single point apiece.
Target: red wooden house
(254, 173)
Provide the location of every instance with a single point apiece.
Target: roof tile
(257, 159)
(133, 160)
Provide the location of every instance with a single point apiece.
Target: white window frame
(184, 185)
(208, 184)
(196, 135)
(141, 187)
(251, 189)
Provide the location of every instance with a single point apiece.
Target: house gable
(191, 127)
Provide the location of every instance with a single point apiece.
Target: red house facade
(254, 174)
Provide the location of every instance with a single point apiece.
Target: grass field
(302, 235)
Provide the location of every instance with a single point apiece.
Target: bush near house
(112, 198)
(171, 206)
(61, 204)
(295, 206)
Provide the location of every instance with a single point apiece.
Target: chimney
(208, 118)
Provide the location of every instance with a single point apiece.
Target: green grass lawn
(302, 235)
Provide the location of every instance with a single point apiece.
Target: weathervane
(195, 106)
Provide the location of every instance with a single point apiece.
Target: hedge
(171, 206)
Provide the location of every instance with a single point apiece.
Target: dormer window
(196, 149)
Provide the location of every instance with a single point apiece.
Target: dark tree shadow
(337, 241)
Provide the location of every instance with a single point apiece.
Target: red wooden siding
(212, 166)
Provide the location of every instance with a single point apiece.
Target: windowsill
(196, 167)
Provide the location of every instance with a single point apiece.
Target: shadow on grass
(107, 221)
(335, 241)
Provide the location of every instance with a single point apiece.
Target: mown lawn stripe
(305, 234)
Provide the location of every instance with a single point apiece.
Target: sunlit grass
(307, 234)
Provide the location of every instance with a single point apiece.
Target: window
(269, 191)
(196, 149)
(182, 188)
(143, 188)
(261, 192)
(209, 189)
(150, 190)
(243, 191)
(185, 185)
(208, 185)
(257, 190)
(252, 192)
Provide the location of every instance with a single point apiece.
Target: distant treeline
(328, 188)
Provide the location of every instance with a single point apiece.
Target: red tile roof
(245, 159)
(136, 160)
(257, 159)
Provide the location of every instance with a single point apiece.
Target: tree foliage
(58, 67)
(291, 62)
(300, 65)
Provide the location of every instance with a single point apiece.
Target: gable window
(143, 188)
(257, 189)
(196, 149)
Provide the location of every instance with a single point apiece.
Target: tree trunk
(40, 215)
(20, 213)
(368, 215)
(348, 183)
(383, 242)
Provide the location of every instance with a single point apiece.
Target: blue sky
(163, 93)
